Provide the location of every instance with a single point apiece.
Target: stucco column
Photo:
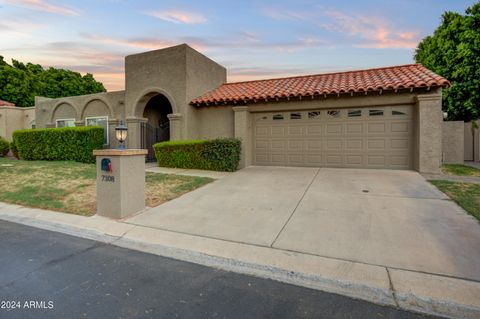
(175, 126)
(112, 140)
(429, 133)
(243, 132)
(120, 182)
(134, 137)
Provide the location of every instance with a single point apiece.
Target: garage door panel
(313, 160)
(262, 145)
(355, 160)
(313, 145)
(296, 130)
(334, 144)
(279, 159)
(399, 160)
(262, 131)
(334, 129)
(262, 159)
(296, 159)
(295, 145)
(353, 144)
(314, 130)
(278, 145)
(376, 160)
(277, 131)
(355, 128)
(376, 144)
(379, 137)
(399, 144)
(334, 160)
(401, 127)
(376, 127)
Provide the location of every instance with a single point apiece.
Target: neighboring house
(378, 118)
(14, 118)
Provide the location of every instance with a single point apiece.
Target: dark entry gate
(149, 136)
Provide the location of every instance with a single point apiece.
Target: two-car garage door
(377, 137)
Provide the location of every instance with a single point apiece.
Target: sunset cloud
(140, 42)
(364, 31)
(375, 32)
(45, 6)
(174, 16)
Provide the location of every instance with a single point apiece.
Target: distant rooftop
(5, 103)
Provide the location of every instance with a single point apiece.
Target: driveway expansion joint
(295, 209)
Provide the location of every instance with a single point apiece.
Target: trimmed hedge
(59, 144)
(221, 154)
(4, 146)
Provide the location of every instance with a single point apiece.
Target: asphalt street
(45, 274)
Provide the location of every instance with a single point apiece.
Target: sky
(252, 39)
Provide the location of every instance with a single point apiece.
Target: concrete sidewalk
(410, 290)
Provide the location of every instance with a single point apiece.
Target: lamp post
(121, 134)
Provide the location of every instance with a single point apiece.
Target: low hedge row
(221, 154)
(4, 146)
(59, 144)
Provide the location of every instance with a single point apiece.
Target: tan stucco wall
(429, 132)
(15, 118)
(203, 75)
(472, 142)
(453, 142)
(215, 122)
(468, 139)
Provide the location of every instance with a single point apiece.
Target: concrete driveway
(379, 217)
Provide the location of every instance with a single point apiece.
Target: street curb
(357, 291)
(405, 300)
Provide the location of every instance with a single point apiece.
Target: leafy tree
(20, 82)
(453, 51)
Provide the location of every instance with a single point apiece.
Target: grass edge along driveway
(71, 187)
(466, 195)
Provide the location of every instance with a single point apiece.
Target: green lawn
(70, 186)
(467, 195)
(460, 170)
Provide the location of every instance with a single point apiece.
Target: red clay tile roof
(5, 103)
(388, 78)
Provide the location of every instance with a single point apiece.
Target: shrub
(221, 154)
(59, 144)
(4, 146)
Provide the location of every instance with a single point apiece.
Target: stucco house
(378, 118)
(14, 118)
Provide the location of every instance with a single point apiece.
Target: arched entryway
(157, 127)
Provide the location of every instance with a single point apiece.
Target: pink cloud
(175, 16)
(143, 43)
(43, 5)
(371, 31)
(376, 32)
